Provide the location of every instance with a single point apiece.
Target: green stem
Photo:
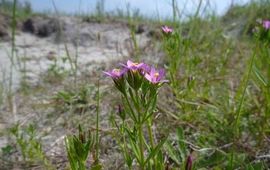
(150, 132)
(10, 97)
(243, 94)
(140, 116)
(81, 165)
(97, 124)
(135, 100)
(151, 137)
(130, 108)
(141, 137)
(174, 11)
(141, 143)
(125, 143)
(65, 41)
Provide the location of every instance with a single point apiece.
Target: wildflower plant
(262, 31)
(172, 44)
(178, 49)
(261, 69)
(138, 84)
(263, 34)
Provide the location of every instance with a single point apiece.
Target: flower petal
(148, 77)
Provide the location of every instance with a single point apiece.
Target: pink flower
(134, 66)
(166, 29)
(155, 76)
(116, 73)
(266, 24)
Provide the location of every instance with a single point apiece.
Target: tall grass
(22, 9)
(12, 59)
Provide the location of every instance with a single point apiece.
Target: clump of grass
(29, 144)
(23, 10)
(248, 13)
(57, 71)
(75, 100)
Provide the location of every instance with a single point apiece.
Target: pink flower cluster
(151, 74)
(266, 24)
(167, 30)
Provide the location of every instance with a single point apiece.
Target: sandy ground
(95, 43)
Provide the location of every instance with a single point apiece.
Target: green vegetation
(29, 145)
(214, 113)
(248, 14)
(23, 10)
(78, 148)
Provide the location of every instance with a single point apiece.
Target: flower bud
(121, 112)
(81, 135)
(189, 163)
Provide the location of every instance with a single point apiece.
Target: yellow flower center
(156, 75)
(135, 64)
(116, 71)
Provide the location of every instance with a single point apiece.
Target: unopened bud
(81, 134)
(121, 112)
(189, 163)
(82, 137)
